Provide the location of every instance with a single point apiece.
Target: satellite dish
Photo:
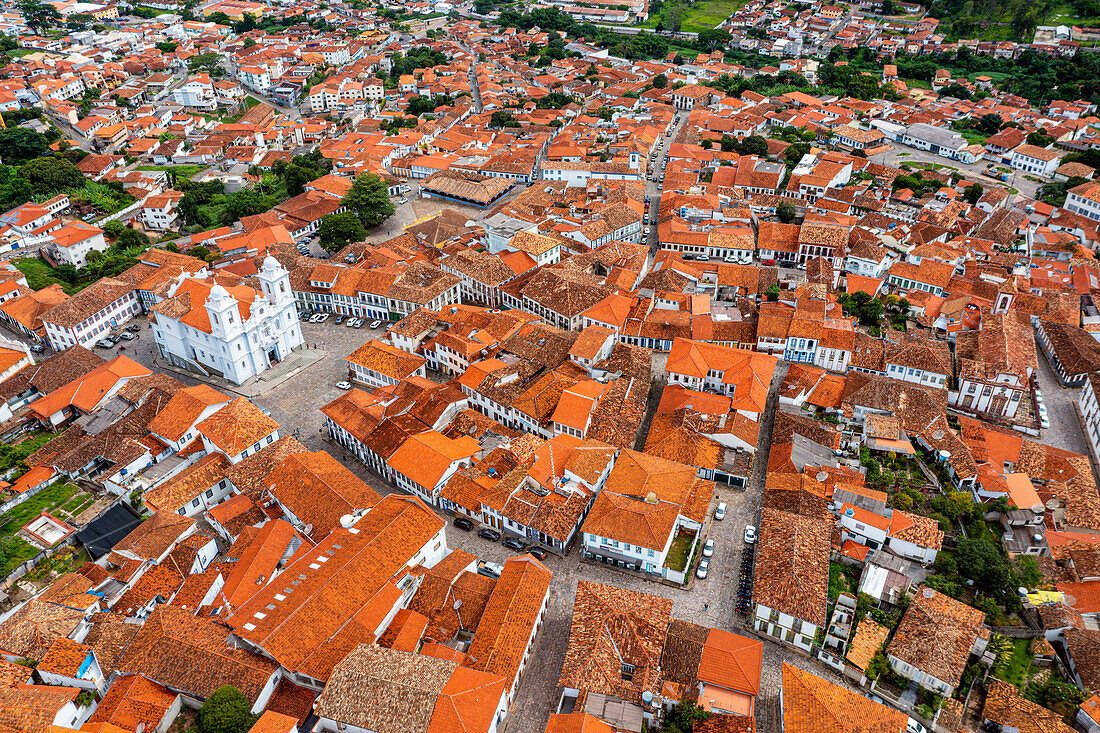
(347, 521)
(822, 475)
(938, 435)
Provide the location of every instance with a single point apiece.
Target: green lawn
(973, 136)
(1064, 14)
(678, 553)
(15, 550)
(705, 15)
(37, 272)
(702, 15)
(1014, 665)
(49, 499)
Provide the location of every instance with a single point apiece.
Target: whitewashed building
(235, 332)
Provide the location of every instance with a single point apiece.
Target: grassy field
(1014, 665)
(15, 550)
(1064, 14)
(678, 553)
(702, 15)
(973, 136)
(40, 275)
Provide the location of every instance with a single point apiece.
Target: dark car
(513, 544)
(464, 524)
(538, 553)
(489, 534)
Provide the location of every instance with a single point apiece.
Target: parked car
(105, 343)
(358, 322)
(464, 524)
(345, 385)
(720, 511)
(539, 553)
(350, 323)
(768, 263)
(1044, 417)
(375, 324)
(37, 348)
(513, 544)
(750, 534)
(125, 336)
(701, 571)
(708, 548)
(490, 569)
(134, 327)
(322, 317)
(404, 200)
(490, 534)
(340, 320)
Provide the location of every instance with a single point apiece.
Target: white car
(322, 317)
(750, 534)
(1044, 417)
(345, 385)
(1038, 397)
(708, 548)
(404, 200)
(701, 571)
(375, 324)
(720, 511)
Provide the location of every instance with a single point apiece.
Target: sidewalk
(289, 367)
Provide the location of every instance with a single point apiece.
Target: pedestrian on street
(705, 607)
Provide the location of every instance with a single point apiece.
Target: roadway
(973, 172)
(653, 188)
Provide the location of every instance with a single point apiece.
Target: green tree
(18, 145)
(369, 199)
(714, 38)
(113, 228)
(244, 203)
(296, 178)
(340, 230)
(660, 81)
(1061, 697)
(984, 563)
(785, 211)
(728, 143)
(225, 711)
(973, 193)
(132, 238)
(794, 153)
(753, 145)
(683, 717)
(672, 19)
(990, 123)
(39, 15)
(49, 175)
(503, 118)
(956, 90)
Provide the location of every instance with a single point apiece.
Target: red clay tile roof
(510, 618)
(814, 705)
(612, 626)
(335, 595)
(237, 426)
(194, 655)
